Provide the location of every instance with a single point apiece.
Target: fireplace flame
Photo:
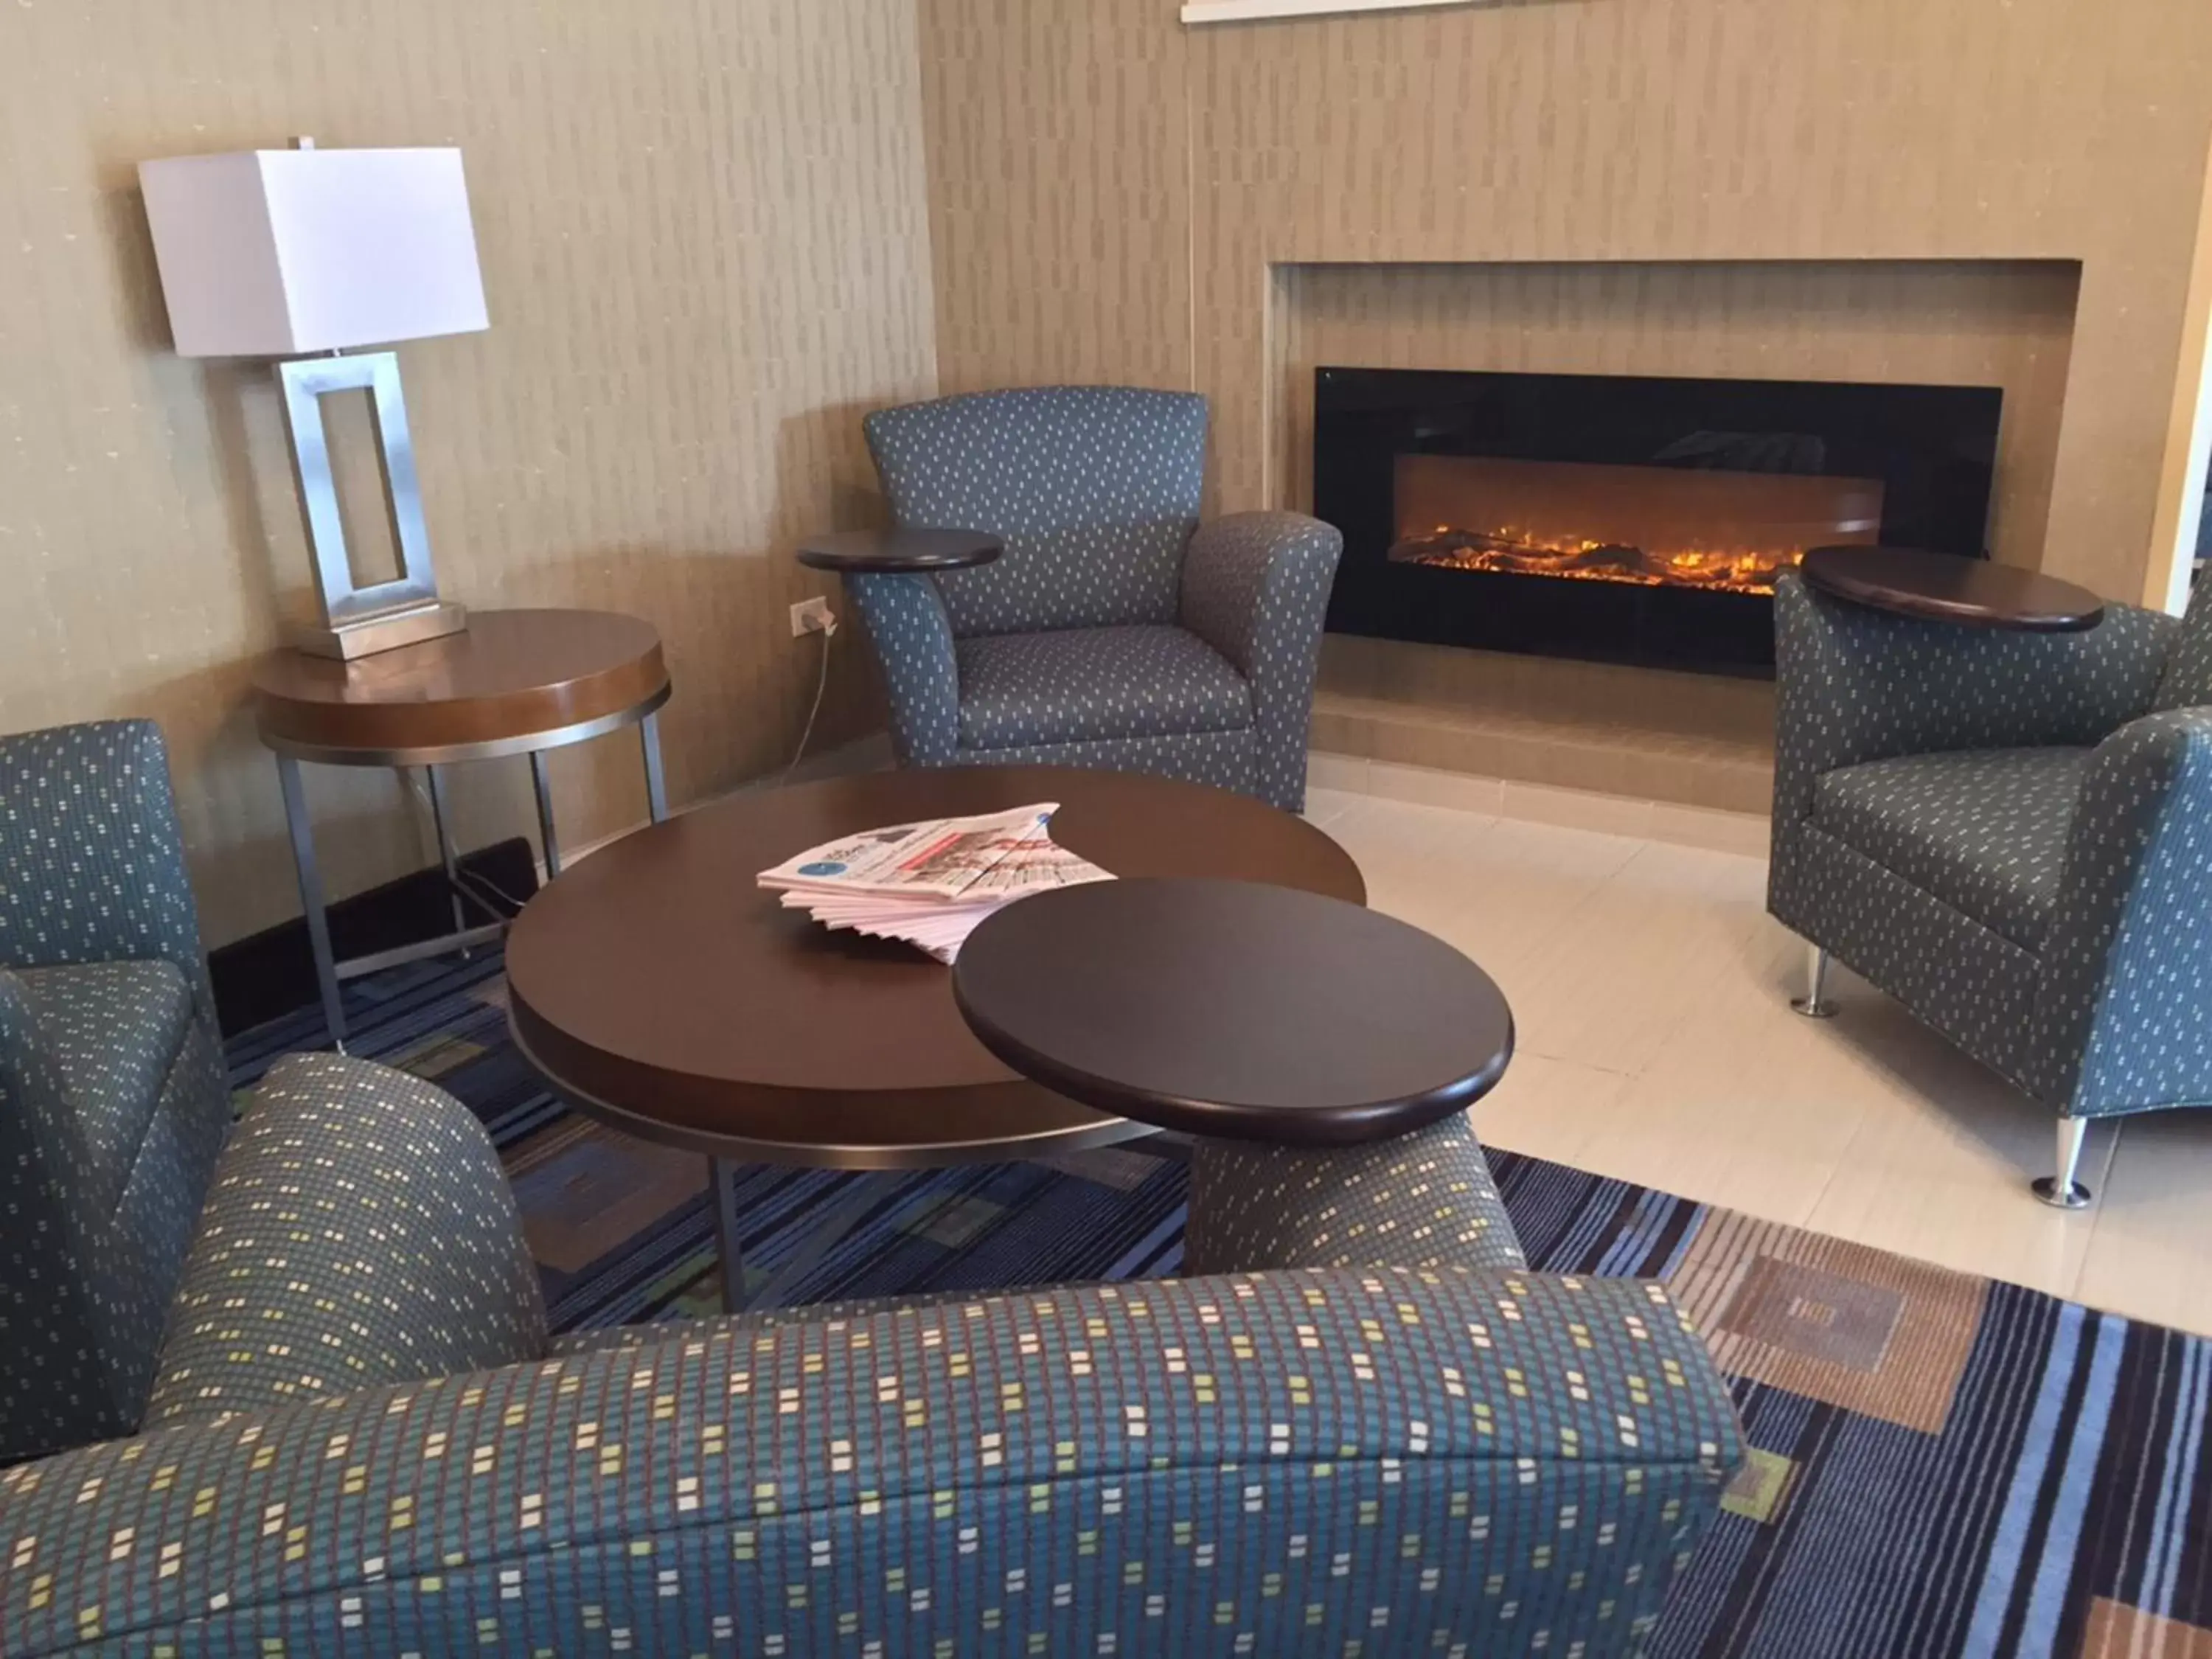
(1514, 551)
(1649, 527)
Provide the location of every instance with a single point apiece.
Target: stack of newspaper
(930, 884)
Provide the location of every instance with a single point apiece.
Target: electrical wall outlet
(810, 616)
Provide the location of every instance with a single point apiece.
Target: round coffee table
(1234, 1011)
(514, 683)
(658, 989)
(1947, 587)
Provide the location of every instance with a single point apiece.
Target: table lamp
(301, 255)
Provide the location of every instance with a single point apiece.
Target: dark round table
(1948, 587)
(1235, 1010)
(898, 552)
(658, 988)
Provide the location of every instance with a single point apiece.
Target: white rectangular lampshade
(284, 253)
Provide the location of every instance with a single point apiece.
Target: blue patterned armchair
(366, 1446)
(1115, 631)
(113, 1102)
(2012, 835)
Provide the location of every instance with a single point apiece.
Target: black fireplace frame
(1933, 446)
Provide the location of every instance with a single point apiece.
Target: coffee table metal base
(867, 1188)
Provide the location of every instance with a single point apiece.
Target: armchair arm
(360, 1231)
(1255, 587)
(913, 632)
(1856, 684)
(2123, 1017)
(92, 861)
(1272, 1465)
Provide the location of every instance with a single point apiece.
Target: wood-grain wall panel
(705, 239)
(2007, 325)
(1552, 131)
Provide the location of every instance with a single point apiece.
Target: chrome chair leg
(2061, 1191)
(1814, 1003)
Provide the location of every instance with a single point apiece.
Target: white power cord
(821, 685)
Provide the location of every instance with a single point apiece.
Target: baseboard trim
(270, 974)
(1709, 826)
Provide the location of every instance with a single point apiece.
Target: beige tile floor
(1656, 1045)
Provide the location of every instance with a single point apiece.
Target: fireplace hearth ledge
(1688, 740)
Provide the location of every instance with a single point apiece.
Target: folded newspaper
(930, 884)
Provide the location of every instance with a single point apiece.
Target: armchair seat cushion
(1089, 685)
(114, 1029)
(1984, 830)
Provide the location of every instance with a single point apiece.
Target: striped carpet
(1943, 1465)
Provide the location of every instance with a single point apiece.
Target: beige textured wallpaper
(1548, 131)
(705, 239)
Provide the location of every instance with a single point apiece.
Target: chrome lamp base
(388, 632)
(362, 621)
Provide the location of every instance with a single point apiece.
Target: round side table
(1235, 1010)
(515, 683)
(898, 552)
(1948, 587)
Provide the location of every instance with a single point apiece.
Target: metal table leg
(656, 780)
(442, 818)
(722, 1176)
(311, 897)
(541, 781)
(866, 1192)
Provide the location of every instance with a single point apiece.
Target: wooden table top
(511, 678)
(658, 987)
(898, 552)
(1948, 588)
(1235, 1010)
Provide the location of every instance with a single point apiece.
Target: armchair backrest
(2188, 682)
(92, 869)
(92, 859)
(1095, 489)
(75, 1363)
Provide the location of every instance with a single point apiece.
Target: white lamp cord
(821, 685)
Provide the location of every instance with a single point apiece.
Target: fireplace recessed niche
(1627, 518)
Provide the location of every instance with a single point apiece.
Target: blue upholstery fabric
(2124, 1013)
(1224, 760)
(2046, 906)
(912, 632)
(115, 1029)
(1967, 980)
(1421, 1200)
(1983, 829)
(2188, 680)
(1378, 1461)
(361, 1231)
(1255, 587)
(1087, 684)
(112, 1100)
(92, 865)
(1095, 491)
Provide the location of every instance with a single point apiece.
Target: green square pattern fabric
(1459, 1458)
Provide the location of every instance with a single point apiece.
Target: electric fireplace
(1627, 518)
